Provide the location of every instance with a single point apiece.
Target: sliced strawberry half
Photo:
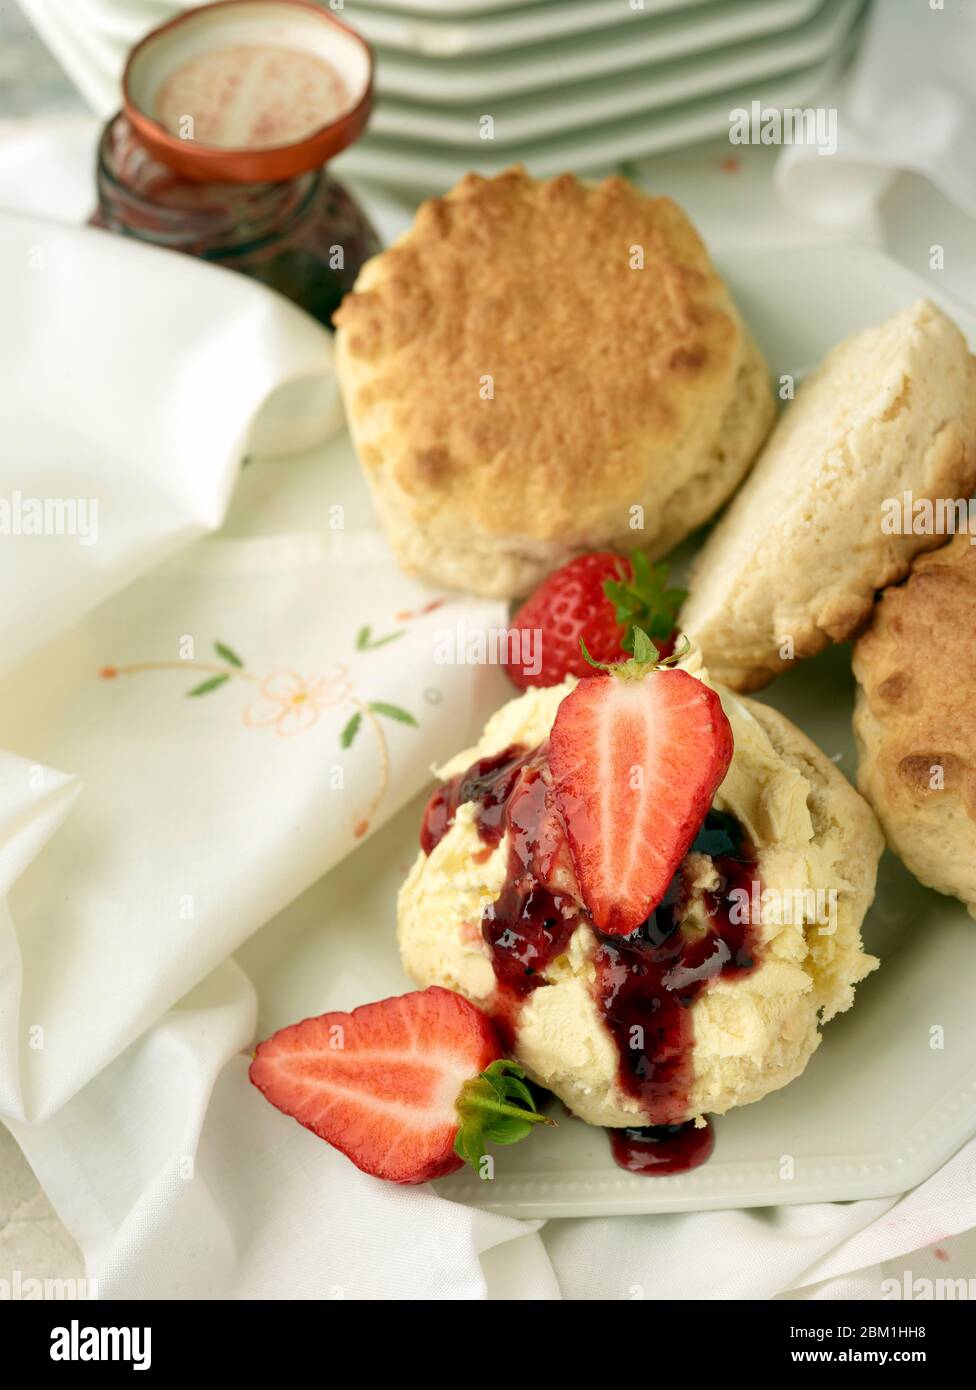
(408, 1088)
(636, 757)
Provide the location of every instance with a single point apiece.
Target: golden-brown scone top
(516, 386)
(916, 718)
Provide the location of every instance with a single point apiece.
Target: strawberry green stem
(646, 658)
(474, 1102)
(494, 1108)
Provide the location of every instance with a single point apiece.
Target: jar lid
(249, 91)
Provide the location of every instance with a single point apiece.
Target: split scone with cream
(713, 999)
(795, 562)
(915, 720)
(537, 369)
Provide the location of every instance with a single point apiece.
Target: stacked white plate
(555, 84)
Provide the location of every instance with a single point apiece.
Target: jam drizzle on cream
(646, 982)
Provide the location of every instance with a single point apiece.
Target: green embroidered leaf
(402, 716)
(351, 730)
(366, 642)
(205, 687)
(223, 650)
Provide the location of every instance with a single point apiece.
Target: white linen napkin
(131, 385)
(909, 104)
(179, 1181)
(207, 744)
(182, 1182)
(191, 734)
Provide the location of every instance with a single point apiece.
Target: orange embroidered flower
(291, 705)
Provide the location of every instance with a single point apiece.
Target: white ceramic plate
(549, 113)
(877, 1110)
(646, 42)
(425, 168)
(92, 55)
(484, 26)
(461, 10)
(478, 31)
(491, 32)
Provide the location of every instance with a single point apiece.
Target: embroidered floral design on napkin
(291, 704)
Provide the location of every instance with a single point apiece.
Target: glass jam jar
(305, 237)
(242, 181)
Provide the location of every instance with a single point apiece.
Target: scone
(537, 369)
(915, 719)
(785, 825)
(795, 562)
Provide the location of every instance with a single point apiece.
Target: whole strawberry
(600, 598)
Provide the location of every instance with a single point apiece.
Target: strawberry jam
(489, 783)
(647, 982)
(531, 921)
(662, 1150)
